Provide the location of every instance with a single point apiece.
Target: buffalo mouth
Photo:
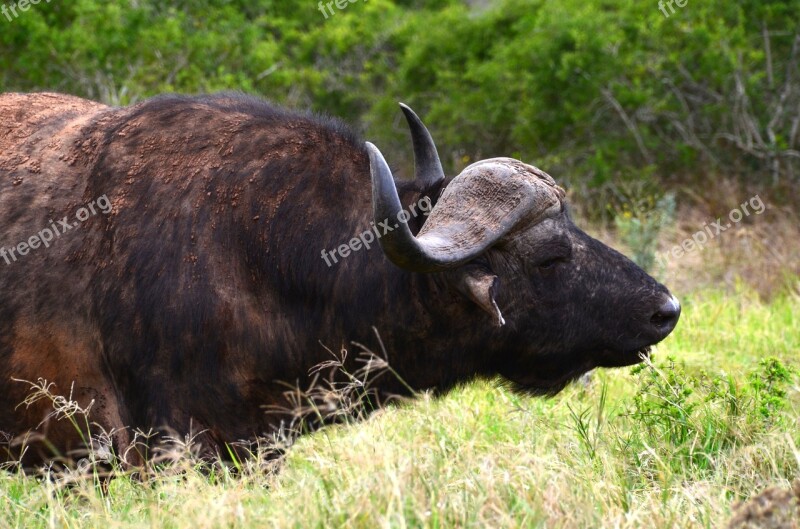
(630, 357)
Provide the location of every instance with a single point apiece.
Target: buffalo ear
(480, 285)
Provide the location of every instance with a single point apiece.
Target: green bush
(639, 224)
(698, 416)
(596, 92)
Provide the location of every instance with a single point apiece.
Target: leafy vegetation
(639, 226)
(597, 92)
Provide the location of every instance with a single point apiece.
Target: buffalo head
(561, 302)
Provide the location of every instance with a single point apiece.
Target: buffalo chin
(624, 358)
(551, 386)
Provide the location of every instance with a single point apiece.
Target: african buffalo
(235, 251)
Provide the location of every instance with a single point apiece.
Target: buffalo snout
(666, 317)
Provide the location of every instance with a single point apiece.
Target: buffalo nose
(666, 317)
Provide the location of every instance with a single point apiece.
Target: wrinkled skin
(202, 295)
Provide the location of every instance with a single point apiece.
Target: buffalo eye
(551, 262)
(552, 254)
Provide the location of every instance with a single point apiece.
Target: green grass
(713, 421)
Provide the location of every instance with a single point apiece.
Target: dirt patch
(774, 508)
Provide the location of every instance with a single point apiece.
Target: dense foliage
(596, 92)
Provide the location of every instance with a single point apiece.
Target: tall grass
(676, 442)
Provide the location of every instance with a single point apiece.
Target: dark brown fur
(203, 293)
